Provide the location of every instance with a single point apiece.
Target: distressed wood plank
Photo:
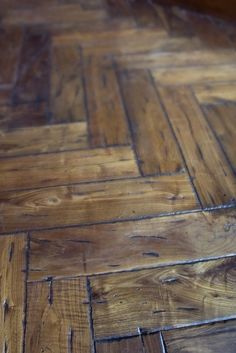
(222, 119)
(107, 120)
(58, 318)
(214, 338)
(210, 172)
(126, 345)
(43, 139)
(67, 93)
(95, 202)
(33, 78)
(165, 297)
(154, 142)
(194, 75)
(12, 292)
(70, 167)
(155, 242)
(154, 343)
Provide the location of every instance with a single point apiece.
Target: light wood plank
(216, 338)
(95, 202)
(12, 292)
(216, 93)
(107, 120)
(167, 297)
(154, 142)
(195, 75)
(210, 172)
(154, 242)
(67, 92)
(47, 138)
(58, 317)
(222, 119)
(67, 168)
(128, 345)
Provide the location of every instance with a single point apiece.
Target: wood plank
(181, 55)
(144, 14)
(216, 93)
(33, 78)
(154, 343)
(154, 142)
(58, 318)
(43, 139)
(195, 75)
(67, 93)
(10, 43)
(222, 119)
(214, 338)
(95, 202)
(128, 345)
(67, 168)
(161, 298)
(107, 120)
(154, 242)
(210, 172)
(12, 292)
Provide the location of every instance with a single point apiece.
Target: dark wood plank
(70, 167)
(107, 120)
(67, 92)
(10, 44)
(33, 78)
(95, 202)
(209, 169)
(154, 343)
(128, 345)
(167, 297)
(58, 317)
(132, 245)
(12, 292)
(49, 138)
(154, 142)
(222, 119)
(214, 338)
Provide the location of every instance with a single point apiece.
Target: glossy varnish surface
(117, 179)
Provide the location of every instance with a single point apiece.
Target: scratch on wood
(11, 251)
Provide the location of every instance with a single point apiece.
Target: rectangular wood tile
(33, 78)
(154, 142)
(126, 345)
(195, 75)
(222, 119)
(58, 317)
(214, 338)
(10, 44)
(67, 102)
(107, 120)
(48, 138)
(216, 93)
(154, 343)
(95, 202)
(209, 169)
(153, 242)
(12, 292)
(161, 298)
(53, 169)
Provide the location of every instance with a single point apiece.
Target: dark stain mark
(114, 265)
(151, 253)
(70, 340)
(80, 241)
(147, 237)
(159, 311)
(11, 251)
(5, 309)
(187, 309)
(50, 296)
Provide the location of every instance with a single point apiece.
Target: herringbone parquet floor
(117, 179)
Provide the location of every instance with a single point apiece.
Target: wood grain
(214, 338)
(154, 143)
(163, 298)
(58, 318)
(154, 242)
(216, 93)
(107, 120)
(210, 172)
(154, 343)
(43, 139)
(95, 202)
(127, 345)
(67, 168)
(67, 92)
(12, 292)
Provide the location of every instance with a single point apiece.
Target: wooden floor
(117, 179)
